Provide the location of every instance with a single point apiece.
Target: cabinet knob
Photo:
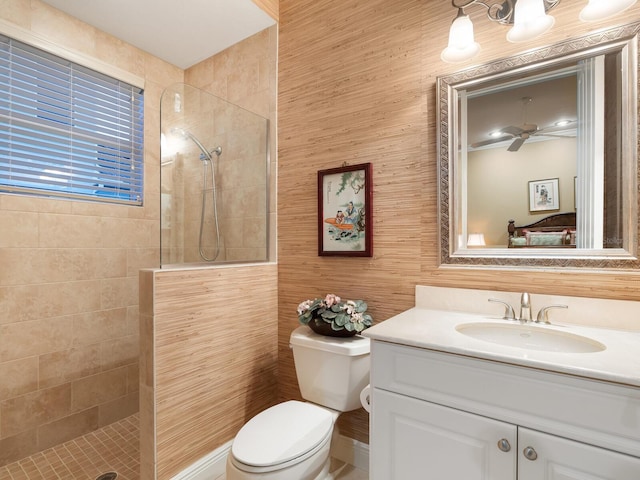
(530, 453)
(504, 445)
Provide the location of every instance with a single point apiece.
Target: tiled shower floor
(113, 448)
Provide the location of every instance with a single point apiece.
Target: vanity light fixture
(529, 20)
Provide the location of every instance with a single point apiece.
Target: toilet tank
(331, 371)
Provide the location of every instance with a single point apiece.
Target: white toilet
(291, 440)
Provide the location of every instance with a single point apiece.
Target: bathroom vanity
(453, 398)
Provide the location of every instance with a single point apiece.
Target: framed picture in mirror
(544, 195)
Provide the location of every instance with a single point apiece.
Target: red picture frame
(344, 211)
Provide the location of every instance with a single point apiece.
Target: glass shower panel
(214, 180)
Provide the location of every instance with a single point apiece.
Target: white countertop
(434, 329)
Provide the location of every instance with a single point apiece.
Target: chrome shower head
(206, 154)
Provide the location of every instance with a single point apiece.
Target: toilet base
(315, 467)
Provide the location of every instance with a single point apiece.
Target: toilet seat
(282, 435)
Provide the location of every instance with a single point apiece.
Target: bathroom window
(66, 130)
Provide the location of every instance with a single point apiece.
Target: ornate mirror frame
(448, 117)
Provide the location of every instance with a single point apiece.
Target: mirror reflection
(515, 136)
(542, 164)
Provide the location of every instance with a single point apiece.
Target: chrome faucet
(509, 314)
(525, 308)
(543, 314)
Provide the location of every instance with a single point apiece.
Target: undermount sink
(527, 336)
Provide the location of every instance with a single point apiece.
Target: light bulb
(530, 21)
(601, 9)
(462, 45)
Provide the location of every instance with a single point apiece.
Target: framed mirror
(538, 157)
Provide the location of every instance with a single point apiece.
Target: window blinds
(67, 131)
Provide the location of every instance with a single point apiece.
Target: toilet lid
(281, 433)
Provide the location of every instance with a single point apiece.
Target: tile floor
(113, 448)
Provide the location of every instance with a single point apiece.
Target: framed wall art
(344, 211)
(544, 195)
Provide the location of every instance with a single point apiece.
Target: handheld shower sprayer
(206, 154)
(208, 168)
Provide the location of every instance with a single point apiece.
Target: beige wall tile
(28, 411)
(147, 433)
(102, 325)
(133, 321)
(69, 231)
(133, 377)
(111, 262)
(63, 366)
(139, 258)
(100, 388)
(18, 377)
(119, 352)
(119, 408)
(129, 233)
(19, 229)
(243, 80)
(119, 53)
(17, 12)
(32, 302)
(98, 209)
(145, 282)
(67, 428)
(159, 69)
(147, 350)
(119, 292)
(18, 446)
(23, 266)
(36, 337)
(200, 74)
(25, 203)
(61, 28)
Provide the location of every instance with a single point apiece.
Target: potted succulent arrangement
(334, 317)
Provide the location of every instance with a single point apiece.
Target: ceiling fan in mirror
(519, 134)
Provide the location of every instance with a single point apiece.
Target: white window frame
(67, 130)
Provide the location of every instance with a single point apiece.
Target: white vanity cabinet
(414, 439)
(442, 416)
(549, 457)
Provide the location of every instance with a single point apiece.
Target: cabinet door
(561, 459)
(413, 439)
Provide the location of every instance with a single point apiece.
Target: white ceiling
(552, 100)
(181, 32)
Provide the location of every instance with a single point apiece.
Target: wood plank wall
(214, 356)
(357, 84)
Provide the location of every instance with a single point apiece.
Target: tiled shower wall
(69, 273)
(244, 75)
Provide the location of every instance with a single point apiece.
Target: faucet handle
(543, 314)
(509, 313)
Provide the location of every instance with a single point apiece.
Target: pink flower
(331, 300)
(304, 306)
